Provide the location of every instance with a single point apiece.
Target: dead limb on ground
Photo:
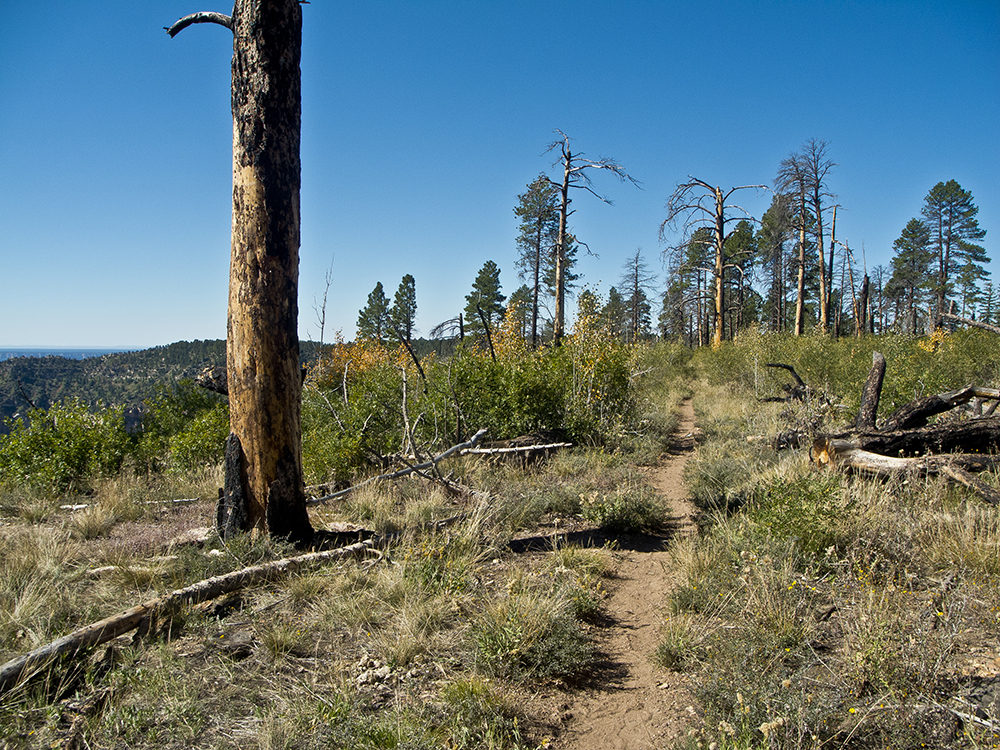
(907, 443)
(463, 449)
(22, 668)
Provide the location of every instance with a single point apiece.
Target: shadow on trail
(598, 538)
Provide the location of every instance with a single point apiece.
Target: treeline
(786, 271)
(123, 378)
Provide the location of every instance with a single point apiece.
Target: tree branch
(403, 472)
(204, 17)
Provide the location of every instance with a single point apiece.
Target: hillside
(121, 378)
(125, 377)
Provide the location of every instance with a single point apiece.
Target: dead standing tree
(702, 205)
(574, 175)
(264, 489)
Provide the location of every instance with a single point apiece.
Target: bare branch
(204, 17)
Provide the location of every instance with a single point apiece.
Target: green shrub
(184, 427)
(65, 447)
(202, 442)
(631, 509)
(530, 632)
(807, 509)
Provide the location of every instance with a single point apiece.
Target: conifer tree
(635, 283)
(909, 282)
(403, 314)
(615, 314)
(520, 303)
(373, 318)
(485, 296)
(950, 216)
(538, 233)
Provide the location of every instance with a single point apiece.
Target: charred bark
(871, 394)
(262, 349)
(974, 435)
(917, 413)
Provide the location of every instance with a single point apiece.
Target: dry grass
(819, 611)
(391, 650)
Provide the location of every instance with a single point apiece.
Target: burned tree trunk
(871, 394)
(262, 352)
(264, 486)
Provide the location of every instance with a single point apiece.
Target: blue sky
(423, 121)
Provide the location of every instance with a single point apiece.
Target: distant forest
(123, 378)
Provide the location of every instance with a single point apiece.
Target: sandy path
(632, 703)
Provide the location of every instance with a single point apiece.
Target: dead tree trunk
(264, 486)
(871, 394)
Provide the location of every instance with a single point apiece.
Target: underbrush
(819, 610)
(916, 367)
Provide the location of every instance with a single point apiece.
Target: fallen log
(917, 413)
(515, 449)
(22, 668)
(967, 436)
(973, 323)
(960, 467)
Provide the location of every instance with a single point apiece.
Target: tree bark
(559, 323)
(719, 270)
(264, 487)
(262, 354)
(916, 413)
(871, 394)
(973, 435)
(800, 295)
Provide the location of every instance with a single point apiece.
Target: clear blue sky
(423, 121)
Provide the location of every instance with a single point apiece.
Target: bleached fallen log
(516, 449)
(959, 467)
(17, 670)
(973, 323)
(403, 472)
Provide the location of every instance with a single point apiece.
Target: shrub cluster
(69, 446)
(916, 367)
(365, 400)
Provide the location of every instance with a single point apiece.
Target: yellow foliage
(342, 360)
(933, 342)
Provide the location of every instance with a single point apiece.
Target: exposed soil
(629, 701)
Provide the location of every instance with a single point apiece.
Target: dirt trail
(631, 703)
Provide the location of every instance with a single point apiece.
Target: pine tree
(911, 262)
(588, 308)
(950, 216)
(538, 233)
(485, 296)
(373, 319)
(615, 314)
(520, 303)
(772, 247)
(403, 314)
(635, 283)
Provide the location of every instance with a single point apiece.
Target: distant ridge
(81, 352)
(117, 377)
